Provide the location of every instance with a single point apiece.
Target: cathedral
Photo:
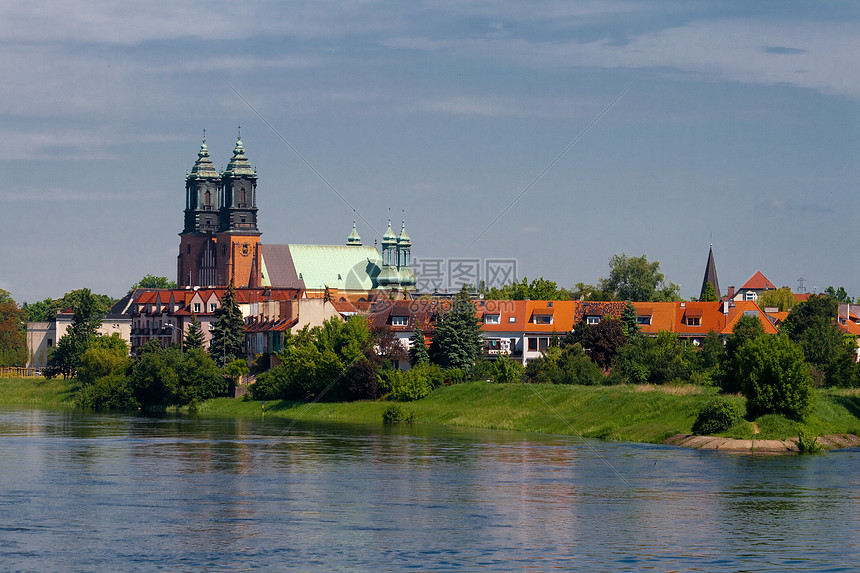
(220, 243)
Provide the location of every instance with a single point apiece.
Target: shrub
(396, 413)
(775, 377)
(807, 443)
(412, 384)
(717, 416)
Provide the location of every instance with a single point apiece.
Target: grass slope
(625, 413)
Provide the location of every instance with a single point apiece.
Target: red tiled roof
(758, 282)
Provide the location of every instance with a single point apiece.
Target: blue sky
(741, 127)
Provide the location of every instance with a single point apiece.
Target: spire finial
(238, 132)
(204, 135)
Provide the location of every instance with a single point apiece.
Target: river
(94, 492)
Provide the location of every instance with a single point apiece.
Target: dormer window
(694, 321)
(643, 320)
(196, 307)
(592, 320)
(492, 319)
(399, 321)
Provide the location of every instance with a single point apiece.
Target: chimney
(731, 293)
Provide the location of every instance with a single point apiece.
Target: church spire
(353, 240)
(710, 275)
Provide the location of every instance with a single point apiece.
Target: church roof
(711, 274)
(316, 267)
(239, 164)
(203, 167)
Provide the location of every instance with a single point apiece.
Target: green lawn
(624, 413)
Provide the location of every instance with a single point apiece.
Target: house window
(643, 320)
(212, 307)
(543, 319)
(694, 321)
(549, 304)
(512, 319)
(543, 343)
(492, 319)
(50, 343)
(749, 295)
(513, 345)
(592, 320)
(196, 307)
(399, 321)
(533, 344)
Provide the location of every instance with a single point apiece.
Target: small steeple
(203, 167)
(403, 239)
(353, 240)
(710, 274)
(389, 238)
(239, 164)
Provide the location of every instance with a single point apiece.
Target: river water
(86, 492)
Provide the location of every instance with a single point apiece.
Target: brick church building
(220, 243)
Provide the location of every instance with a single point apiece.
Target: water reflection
(123, 493)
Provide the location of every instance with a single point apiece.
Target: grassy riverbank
(625, 413)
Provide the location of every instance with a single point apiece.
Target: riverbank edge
(625, 413)
(827, 442)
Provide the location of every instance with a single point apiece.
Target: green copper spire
(353, 240)
(203, 167)
(403, 239)
(389, 238)
(239, 164)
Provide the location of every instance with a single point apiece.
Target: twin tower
(220, 241)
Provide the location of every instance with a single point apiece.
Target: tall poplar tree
(228, 331)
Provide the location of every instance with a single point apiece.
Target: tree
(631, 323)
(13, 340)
(602, 341)
(807, 313)
(746, 328)
(709, 294)
(781, 298)
(86, 320)
(457, 342)
(152, 281)
(775, 377)
(825, 349)
(839, 294)
(194, 338)
(228, 331)
(418, 347)
(635, 279)
(537, 289)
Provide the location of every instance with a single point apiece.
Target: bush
(717, 416)
(396, 413)
(807, 443)
(775, 377)
(412, 384)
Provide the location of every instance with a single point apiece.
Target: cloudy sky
(740, 125)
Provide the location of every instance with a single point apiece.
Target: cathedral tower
(237, 236)
(196, 265)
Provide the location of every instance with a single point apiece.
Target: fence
(18, 371)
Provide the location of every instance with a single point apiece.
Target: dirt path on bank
(830, 442)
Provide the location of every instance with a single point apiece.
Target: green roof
(320, 266)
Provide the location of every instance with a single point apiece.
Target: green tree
(152, 281)
(564, 365)
(728, 376)
(709, 295)
(228, 330)
(807, 313)
(839, 294)
(194, 338)
(831, 360)
(537, 289)
(781, 298)
(457, 342)
(86, 320)
(775, 377)
(630, 321)
(13, 338)
(418, 347)
(636, 279)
